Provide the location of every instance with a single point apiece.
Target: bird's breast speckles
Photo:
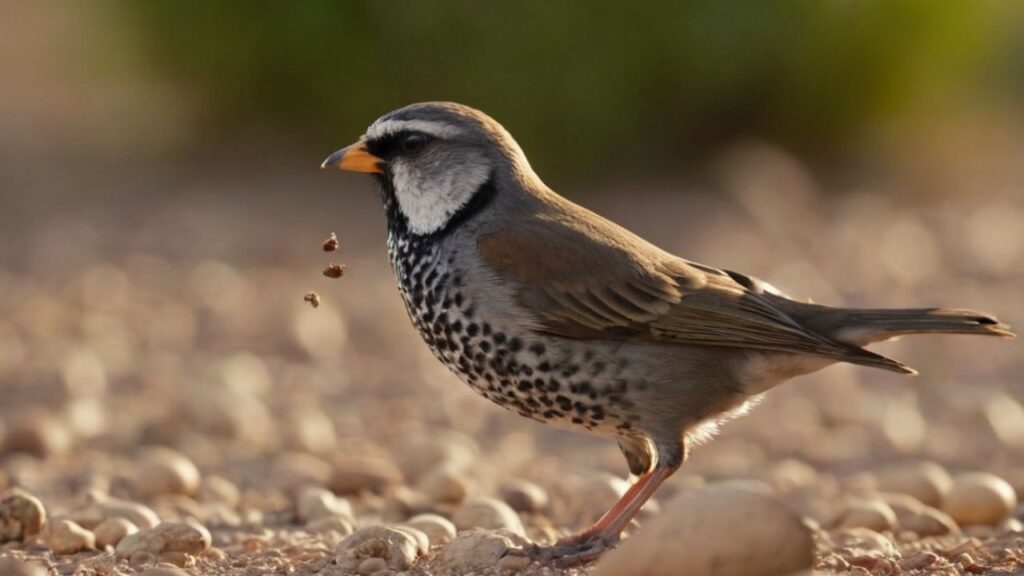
(530, 374)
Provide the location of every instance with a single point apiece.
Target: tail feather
(860, 327)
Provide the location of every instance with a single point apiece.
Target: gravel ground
(171, 405)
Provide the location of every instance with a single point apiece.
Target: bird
(564, 317)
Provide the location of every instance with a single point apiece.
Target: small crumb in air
(331, 244)
(334, 270)
(313, 298)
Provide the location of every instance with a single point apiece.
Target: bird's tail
(859, 327)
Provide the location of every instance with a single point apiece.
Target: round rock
(871, 514)
(721, 531)
(21, 515)
(979, 498)
(314, 503)
(112, 530)
(165, 537)
(398, 548)
(439, 530)
(166, 471)
(66, 537)
(524, 496)
(924, 480)
(487, 513)
(477, 551)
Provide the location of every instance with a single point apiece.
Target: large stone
(21, 515)
(722, 531)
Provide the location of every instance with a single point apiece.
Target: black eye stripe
(391, 145)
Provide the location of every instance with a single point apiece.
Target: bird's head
(432, 159)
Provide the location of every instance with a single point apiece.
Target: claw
(565, 553)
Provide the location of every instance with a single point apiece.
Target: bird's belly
(532, 375)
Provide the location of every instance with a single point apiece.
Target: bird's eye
(413, 143)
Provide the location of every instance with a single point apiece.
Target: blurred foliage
(579, 83)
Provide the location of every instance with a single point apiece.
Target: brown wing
(587, 278)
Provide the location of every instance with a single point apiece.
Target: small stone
(924, 480)
(220, 490)
(979, 498)
(334, 270)
(356, 475)
(484, 512)
(21, 515)
(315, 503)
(113, 530)
(331, 244)
(445, 485)
(166, 471)
(166, 537)
(313, 298)
(524, 496)
(919, 561)
(398, 548)
(66, 537)
(340, 525)
(439, 530)
(37, 433)
(422, 540)
(764, 538)
(861, 542)
(929, 522)
(103, 507)
(477, 550)
(871, 514)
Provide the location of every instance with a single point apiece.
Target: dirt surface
(158, 364)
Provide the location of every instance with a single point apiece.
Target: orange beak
(354, 158)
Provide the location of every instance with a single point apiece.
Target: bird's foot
(573, 551)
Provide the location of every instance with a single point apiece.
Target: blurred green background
(589, 88)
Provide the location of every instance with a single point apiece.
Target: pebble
(482, 512)
(102, 507)
(439, 530)
(220, 490)
(924, 480)
(524, 496)
(352, 476)
(862, 542)
(372, 566)
(37, 433)
(422, 540)
(165, 537)
(872, 514)
(764, 538)
(22, 515)
(113, 530)
(66, 537)
(477, 550)
(397, 547)
(979, 498)
(339, 525)
(597, 493)
(929, 522)
(166, 471)
(314, 503)
(444, 484)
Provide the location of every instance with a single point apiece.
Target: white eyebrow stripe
(436, 129)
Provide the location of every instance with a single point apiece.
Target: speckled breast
(521, 372)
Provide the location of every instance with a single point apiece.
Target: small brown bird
(560, 315)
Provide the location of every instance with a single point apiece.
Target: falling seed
(331, 244)
(313, 298)
(334, 270)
